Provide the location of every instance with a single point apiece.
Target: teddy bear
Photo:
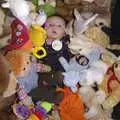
(26, 68)
(111, 86)
(92, 100)
(8, 87)
(84, 68)
(19, 26)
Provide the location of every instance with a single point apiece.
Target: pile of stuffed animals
(88, 87)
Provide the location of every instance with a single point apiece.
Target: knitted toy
(83, 68)
(92, 100)
(8, 85)
(38, 36)
(111, 86)
(26, 68)
(20, 37)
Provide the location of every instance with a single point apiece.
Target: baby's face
(55, 27)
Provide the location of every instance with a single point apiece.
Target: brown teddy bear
(7, 90)
(111, 86)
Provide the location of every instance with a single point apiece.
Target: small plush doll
(111, 86)
(19, 27)
(26, 68)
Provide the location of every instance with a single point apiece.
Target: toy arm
(112, 100)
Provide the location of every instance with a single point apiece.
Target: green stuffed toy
(47, 6)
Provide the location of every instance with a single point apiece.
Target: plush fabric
(71, 107)
(20, 37)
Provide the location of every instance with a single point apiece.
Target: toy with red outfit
(19, 27)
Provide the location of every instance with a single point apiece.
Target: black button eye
(10, 71)
(116, 65)
(101, 24)
(24, 68)
(27, 62)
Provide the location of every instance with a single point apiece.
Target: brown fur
(5, 103)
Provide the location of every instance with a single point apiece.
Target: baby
(57, 42)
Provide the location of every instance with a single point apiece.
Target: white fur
(19, 8)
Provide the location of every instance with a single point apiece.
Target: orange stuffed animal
(71, 107)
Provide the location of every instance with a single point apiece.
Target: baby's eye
(51, 25)
(59, 26)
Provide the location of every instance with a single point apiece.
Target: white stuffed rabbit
(86, 72)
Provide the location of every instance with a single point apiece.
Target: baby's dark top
(53, 56)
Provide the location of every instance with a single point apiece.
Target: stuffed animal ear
(77, 15)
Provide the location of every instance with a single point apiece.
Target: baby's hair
(57, 15)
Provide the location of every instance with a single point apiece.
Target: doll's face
(55, 27)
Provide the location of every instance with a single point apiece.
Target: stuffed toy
(19, 27)
(26, 68)
(26, 109)
(4, 28)
(83, 68)
(101, 7)
(79, 42)
(47, 86)
(94, 31)
(38, 36)
(92, 100)
(8, 87)
(48, 6)
(71, 107)
(111, 86)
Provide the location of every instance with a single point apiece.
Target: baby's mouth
(54, 32)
